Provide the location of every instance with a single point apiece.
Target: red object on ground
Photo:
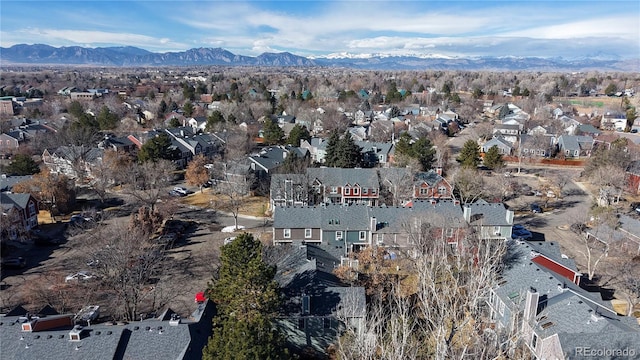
(200, 297)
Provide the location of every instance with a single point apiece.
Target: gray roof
(431, 177)
(375, 147)
(148, 339)
(571, 142)
(357, 217)
(482, 212)
(10, 200)
(341, 176)
(7, 182)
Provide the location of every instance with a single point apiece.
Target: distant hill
(133, 56)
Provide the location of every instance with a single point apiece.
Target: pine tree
(331, 157)
(272, 133)
(349, 154)
(22, 164)
(158, 148)
(297, 133)
(247, 299)
(493, 158)
(469, 156)
(424, 152)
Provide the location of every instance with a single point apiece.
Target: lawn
(253, 205)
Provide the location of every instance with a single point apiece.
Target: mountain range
(129, 56)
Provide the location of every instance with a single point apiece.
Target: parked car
(518, 227)
(522, 234)
(14, 263)
(207, 184)
(208, 166)
(535, 208)
(537, 193)
(79, 276)
(180, 190)
(551, 194)
(78, 219)
(176, 194)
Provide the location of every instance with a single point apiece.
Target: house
(536, 145)
(490, 221)
(572, 146)
(633, 176)
(537, 297)
(289, 190)
(316, 148)
(21, 211)
(504, 146)
(375, 153)
(9, 143)
(198, 123)
(345, 186)
(317, 305)
(352, 227)
(6, 107)
(362, 117)
(625, 236)
(613, 121)
(55, 336)
(7, 182)
(431, 185)
(123, 145)
(68, 160)
(272, 157)
(359, 133)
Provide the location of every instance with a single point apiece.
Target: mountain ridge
(130, 56)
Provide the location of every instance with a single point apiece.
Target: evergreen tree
(157, 148)
(22, 164)
(106, 119)
(188, 108)
(403, 147)
(174, 122)
(214, 119)
(247, 300)
(297, 133)
(493, 158)
(469, 156)
(424, 152)
(331, 157)
(272, 133)
(349, 154)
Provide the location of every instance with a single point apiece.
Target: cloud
(60, 37)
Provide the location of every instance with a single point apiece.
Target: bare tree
(232, 194)
(595, 248)
(469, 185)
(196, 174)
(147, 181)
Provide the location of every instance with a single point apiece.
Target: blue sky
(578, 28)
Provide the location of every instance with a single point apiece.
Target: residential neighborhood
(447, 209)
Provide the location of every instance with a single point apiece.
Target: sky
(569, 29)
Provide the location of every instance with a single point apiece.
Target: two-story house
(21, 212)
(490, 221)
(431, 185)
(572, 146)
(345, 186)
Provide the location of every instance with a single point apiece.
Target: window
(424, 191)
(347, 191)
(363, 235)
(32, 208)
(356, 191)
(338, 235)
(286, 233)
(501, 308)
(534, 341)
(365, 191)
(334, 189)
(326, 323)
(373, 191)
(442, 190)
(307, 233)
(449, 233)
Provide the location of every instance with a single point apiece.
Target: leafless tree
(469, 185)
(147, 181)
(398, 183)
(595, 248)
(232, 195)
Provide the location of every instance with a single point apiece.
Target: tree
(158, 148)
(298, 133)
(147, 181)
(174, 122)
(196, 174)
(468, 185)
(54, 192)
(106, 119)
(188, 108)
(493, 158)
(272, 133)
(469, 156)
(424, 152)
(22, 164)
(232, 196)
(247, 300)
(611, 89)
(342, 152)
(214, 120)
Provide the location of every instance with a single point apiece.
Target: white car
(208, 166)
(180, 189)
(79, 276)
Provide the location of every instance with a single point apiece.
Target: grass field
(252, 205)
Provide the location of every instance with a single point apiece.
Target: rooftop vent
(76, 333)
(175, 320)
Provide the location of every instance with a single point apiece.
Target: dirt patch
(252, 205)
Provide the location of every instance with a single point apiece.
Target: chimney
(439, 170)
(76, 334)
(531, 305)
(509, 215)
(372, 224)
(466, 213)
